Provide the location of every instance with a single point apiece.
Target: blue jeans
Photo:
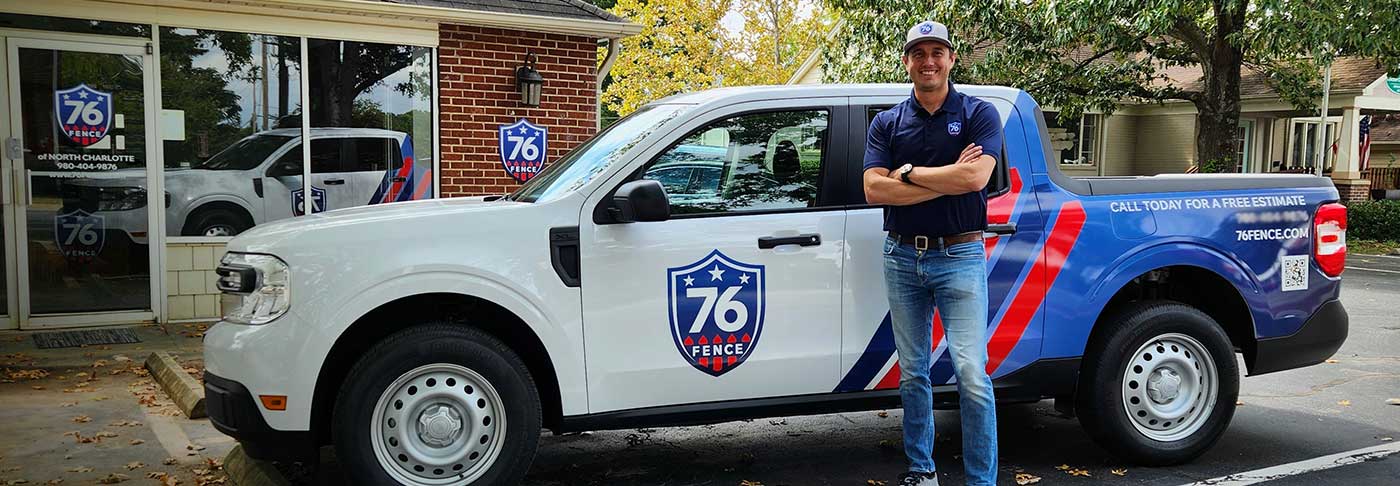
(952, 279)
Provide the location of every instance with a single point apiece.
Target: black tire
(208, 222)
(1103, 401)
(427, 345)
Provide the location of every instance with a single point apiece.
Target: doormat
(91, 337)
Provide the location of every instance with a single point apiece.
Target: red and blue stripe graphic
(408, 183)
(1021, 270)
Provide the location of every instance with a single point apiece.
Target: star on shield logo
(523, 148)
(717, 306)
(318, 200)
(84, 114)
(954, 128)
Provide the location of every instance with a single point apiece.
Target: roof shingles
(567, 9)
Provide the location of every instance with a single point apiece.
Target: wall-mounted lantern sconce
(528, 81)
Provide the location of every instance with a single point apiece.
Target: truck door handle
(398, 179)
(768, 242)
(334, 182)
(1002, 229)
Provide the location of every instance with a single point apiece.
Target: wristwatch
(904, 173)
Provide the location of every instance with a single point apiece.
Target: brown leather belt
(922, 242)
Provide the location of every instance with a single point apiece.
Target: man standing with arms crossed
(935, 212)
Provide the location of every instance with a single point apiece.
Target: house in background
(1151, 138)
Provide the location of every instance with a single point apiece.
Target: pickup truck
(431, 341)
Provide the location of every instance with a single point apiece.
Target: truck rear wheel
(437, 404)
(1159, 386)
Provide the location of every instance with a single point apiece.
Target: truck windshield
(244, 154)
(596, 155)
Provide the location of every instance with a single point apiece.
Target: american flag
(1365, 141)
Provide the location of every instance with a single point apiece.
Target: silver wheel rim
(438, 424)
(218, 230)
(1169, 387)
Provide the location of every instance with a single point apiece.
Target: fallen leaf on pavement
(53, 482)
(1331, 361)
(67, 404)
(1119, 472)
(106, 433)
(113, 478)
(1079, 472)
(750, 483)
(170, 461)
(883, 414)
(1344, 403)
(1022, 479)
(80, 469)
(1239, 404)
(137, 442)
(126, 423)
(872, 482)
(1062, 467)
(37, 387)
(82, 419)
(132, 466)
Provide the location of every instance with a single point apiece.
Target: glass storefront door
(81, 125)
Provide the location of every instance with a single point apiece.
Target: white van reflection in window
(259, 179)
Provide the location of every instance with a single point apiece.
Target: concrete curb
(246, 471)
(187, 393)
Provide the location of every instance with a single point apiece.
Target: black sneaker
(918, 479)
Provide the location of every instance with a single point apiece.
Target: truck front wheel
(437, 404)
(1158, 387)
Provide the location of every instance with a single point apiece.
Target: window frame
(828, 198)
(1095, 152)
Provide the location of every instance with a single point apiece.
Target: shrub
(1374, 220)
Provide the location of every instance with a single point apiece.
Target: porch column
(1346, 171)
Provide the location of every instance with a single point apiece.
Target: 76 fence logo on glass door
(80, 234)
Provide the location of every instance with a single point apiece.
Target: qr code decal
(1295, 272)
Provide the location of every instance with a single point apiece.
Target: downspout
(614, 46)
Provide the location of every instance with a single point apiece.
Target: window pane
(1064, 137)
(380, 94)
(231, 103)
(752, 162)
(326, 157)
(1090, 140)
(77, 26)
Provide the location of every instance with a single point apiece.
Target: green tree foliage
(683, 48)
(1077, 55)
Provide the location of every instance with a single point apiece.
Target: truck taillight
(1330, 238)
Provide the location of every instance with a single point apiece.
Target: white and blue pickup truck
(711, 257)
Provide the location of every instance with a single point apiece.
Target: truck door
(738, 294)
(1015, 269)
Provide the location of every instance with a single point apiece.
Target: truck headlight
(256, 288)
(120, 198)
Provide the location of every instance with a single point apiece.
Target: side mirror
(640, 200)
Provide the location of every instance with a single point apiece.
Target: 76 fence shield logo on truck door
(716, 307)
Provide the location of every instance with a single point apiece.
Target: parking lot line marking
(1372, 269)
(1303, 467)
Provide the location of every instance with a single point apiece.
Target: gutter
(536, 23)
(614, 47)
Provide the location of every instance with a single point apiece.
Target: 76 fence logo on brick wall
(523, 147)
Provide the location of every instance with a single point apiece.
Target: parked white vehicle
(711, 257)
(255, 180)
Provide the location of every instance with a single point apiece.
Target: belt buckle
(921, 243)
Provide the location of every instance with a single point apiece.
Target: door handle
(768, 242)
(335, 182)
(1002, 229)
(398, 179)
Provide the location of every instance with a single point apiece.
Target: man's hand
(968, 174)
(970, 154)
(883, 186)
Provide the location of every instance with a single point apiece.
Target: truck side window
(374, 154)
(325, 159)
(752, 162)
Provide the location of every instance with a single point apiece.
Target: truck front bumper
(1317, 340)
(233, 410)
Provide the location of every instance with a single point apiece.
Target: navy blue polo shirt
(908, 134)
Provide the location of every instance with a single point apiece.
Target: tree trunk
(1218, 106)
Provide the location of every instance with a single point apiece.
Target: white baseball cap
(925, 31)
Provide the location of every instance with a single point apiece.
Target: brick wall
(1353, 189)
(476, 69)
